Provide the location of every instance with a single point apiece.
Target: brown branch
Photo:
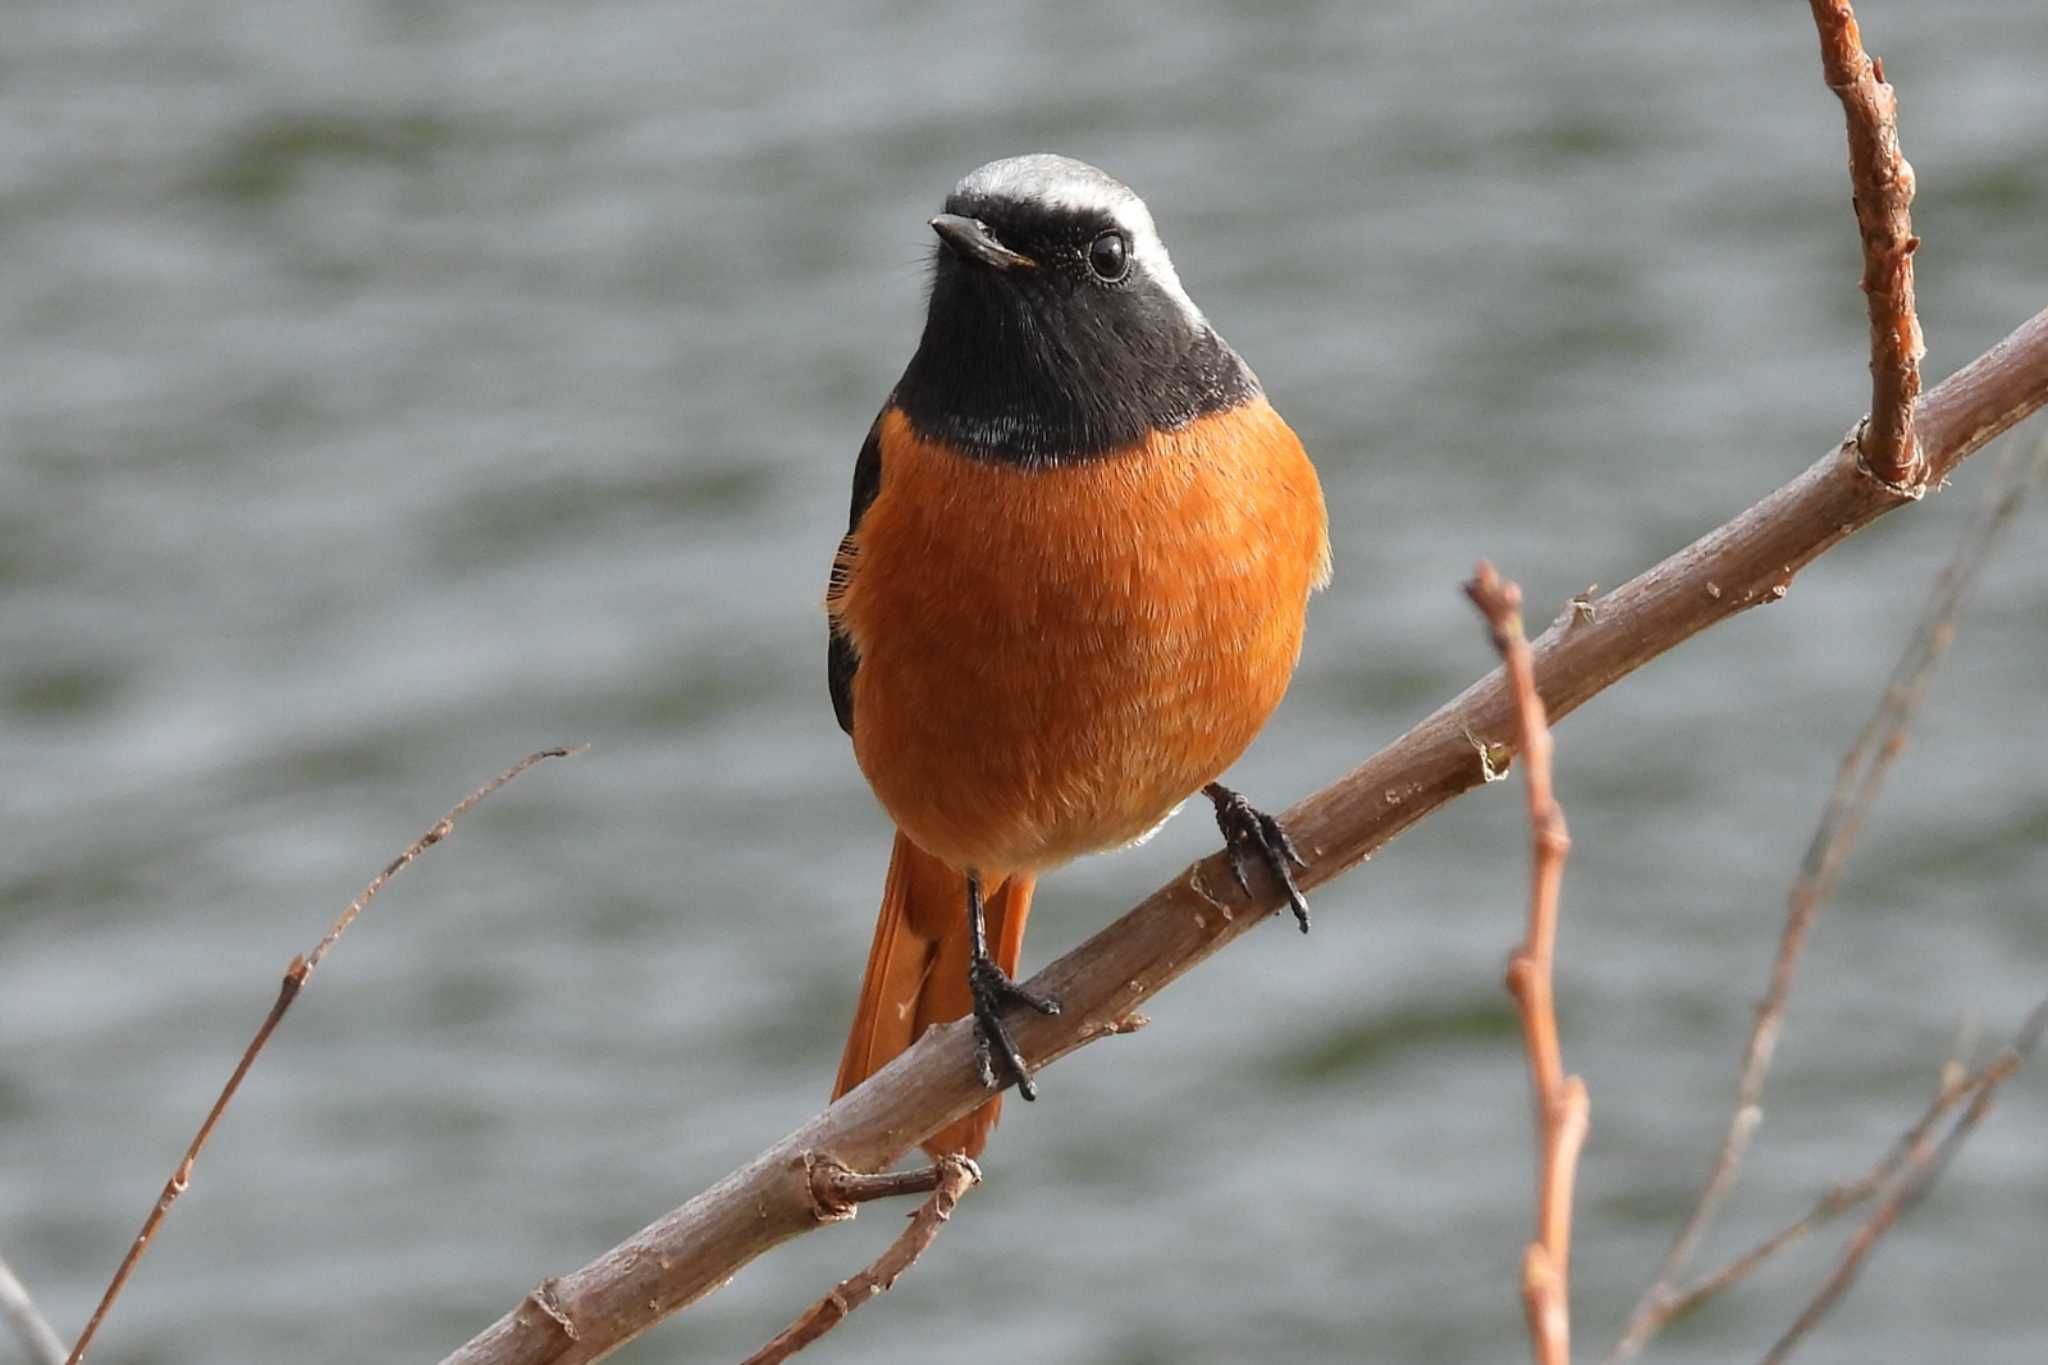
(1922, 1168)
(840, 1192)
(1883, 184)
(295, 977)
(1857, 784)
(1561, 1105)
(692, 1250)
(38, 1341)
(948, 1179)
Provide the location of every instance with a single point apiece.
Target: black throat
(1040, 366)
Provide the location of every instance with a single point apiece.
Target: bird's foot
(1250, 833)
(994, 989)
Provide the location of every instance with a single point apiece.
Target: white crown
(1060, 182)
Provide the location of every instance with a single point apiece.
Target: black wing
(841, 662)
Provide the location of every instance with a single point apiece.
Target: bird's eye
(1109, 256)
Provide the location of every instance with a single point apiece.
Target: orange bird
(1071, 592)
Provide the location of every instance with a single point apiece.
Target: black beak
(971, 240)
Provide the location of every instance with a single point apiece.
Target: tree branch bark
(1883, 184)
(1749, 561)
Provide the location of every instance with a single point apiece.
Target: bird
(1072, 589)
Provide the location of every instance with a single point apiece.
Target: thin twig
(948, 1179)
(840, 1192)
(1862, 775)
(1957, 1085)
(39, 1342)
(1925, 1166)
(693, 1249)
(1883, 184)
(295, 977)
(1561, 1105)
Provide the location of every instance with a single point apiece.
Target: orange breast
(1052, 659)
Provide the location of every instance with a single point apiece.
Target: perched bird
(1072, 590)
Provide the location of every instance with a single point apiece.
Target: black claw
(984, 1065)
(992, 988)
(1237, 863)
(1250, 833)
(1280, 836)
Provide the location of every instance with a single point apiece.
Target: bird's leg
(992, 989)
(1251, 833)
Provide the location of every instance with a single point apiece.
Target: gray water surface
(387, 390)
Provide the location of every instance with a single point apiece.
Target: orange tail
(917, 974)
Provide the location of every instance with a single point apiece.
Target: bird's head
(1058, 328)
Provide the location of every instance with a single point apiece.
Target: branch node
(1914, 488)
(837, 1191)
(821, 1179)
(542, 1297)
(950, 1178)
(1578, 1107)
(1201, 888)
(1494, 759)
(1520, 977)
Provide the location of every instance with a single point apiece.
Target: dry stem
(948, 1179)
(1883, 184)
(1923, 1165)
(1561, 1105)
(1862, 775)
(694, 1249)
(295, 977)
(39, 1342)
(1956, 1086)
(840, 1192)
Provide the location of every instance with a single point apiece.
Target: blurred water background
(389, 389)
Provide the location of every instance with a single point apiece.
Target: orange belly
(1052, 659)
